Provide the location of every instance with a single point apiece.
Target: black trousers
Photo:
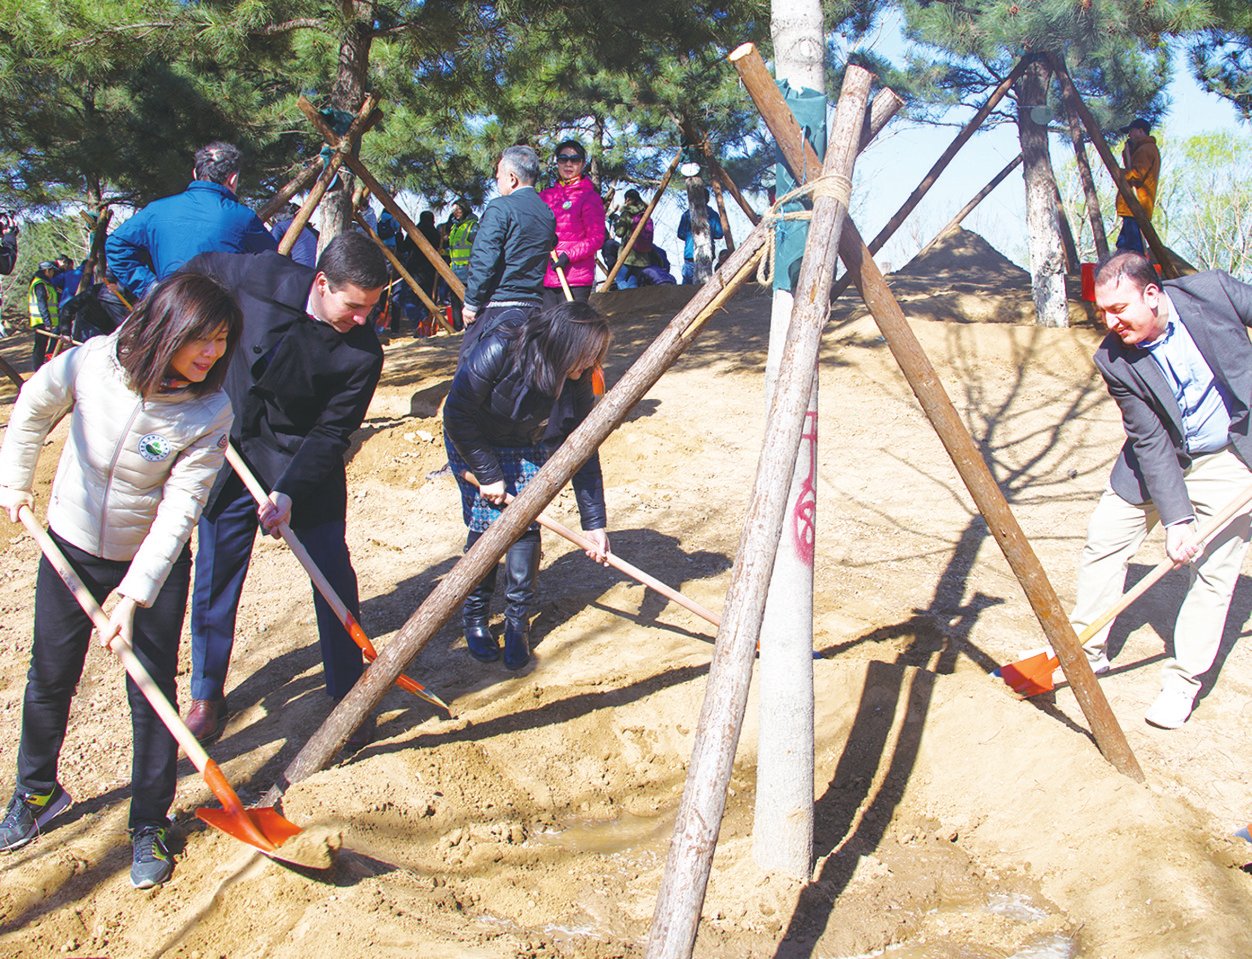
(555, 295)
(62, 634)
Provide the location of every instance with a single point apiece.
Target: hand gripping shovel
(1033, 675)
(634, 572)
(323, 585)
(264, 829)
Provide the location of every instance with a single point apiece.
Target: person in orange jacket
(1142, 167)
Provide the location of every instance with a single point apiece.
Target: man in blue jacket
(204, 218)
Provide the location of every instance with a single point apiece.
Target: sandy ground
(953, 820)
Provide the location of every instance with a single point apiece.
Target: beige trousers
(1116, 532)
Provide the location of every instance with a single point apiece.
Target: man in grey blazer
(1179, 364)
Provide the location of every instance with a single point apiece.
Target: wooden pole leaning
(969, 463)
(399, 268)
(635, 233)
(683, 885)
(1075, 102)
(364, 116)
(301, 181)
(387, 200)
(978, 197)
(1094, 216)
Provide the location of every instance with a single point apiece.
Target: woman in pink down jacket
(579, 211)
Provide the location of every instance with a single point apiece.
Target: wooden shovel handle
(634, 572)
(1215, 525)
(195, 752)
(560, 275)
(322, 584)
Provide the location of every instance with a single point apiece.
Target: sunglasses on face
(568, 158)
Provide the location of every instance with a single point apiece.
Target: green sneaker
(28, 813)
(150, 863)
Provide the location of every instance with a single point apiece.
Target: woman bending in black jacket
(517, 394)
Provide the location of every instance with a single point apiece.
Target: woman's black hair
(183, 308)
(554, 343)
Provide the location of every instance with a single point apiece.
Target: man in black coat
(300, 382)
(515, 235)
(1179, 364)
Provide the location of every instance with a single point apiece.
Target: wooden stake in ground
(963, 451)
(634, 234)
(677, 916)
(387, 200)
(978, 197)
(1075, 102)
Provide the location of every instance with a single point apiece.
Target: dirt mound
(960, 256)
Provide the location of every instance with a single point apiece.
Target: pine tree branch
(299, 23)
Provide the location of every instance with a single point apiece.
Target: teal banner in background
(809, 107)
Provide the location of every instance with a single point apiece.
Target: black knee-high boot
(521, 568)
(476, 612)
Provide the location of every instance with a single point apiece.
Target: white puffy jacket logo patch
(154, 447)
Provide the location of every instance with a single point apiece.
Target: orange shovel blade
(265, 830)
(1031, 676)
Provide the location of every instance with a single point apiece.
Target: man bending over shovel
(301, 381)
(1178, 362)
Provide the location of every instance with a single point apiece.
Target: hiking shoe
(1171, 709)
(28, 813)
(150, 863)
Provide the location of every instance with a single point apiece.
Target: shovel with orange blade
(1033, 675)
(323, 584)
(264, 829)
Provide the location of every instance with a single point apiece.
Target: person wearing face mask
(524, 387)
(579, 211)
(301, 381)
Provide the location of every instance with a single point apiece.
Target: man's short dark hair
(1126, 263)
(1139, 123)
(217, 161)
(353, 258)
(523, 161)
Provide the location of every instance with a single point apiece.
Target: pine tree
(1221, 56)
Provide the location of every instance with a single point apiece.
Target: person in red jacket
(579, 211)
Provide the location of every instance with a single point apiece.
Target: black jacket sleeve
(469, 397)
(8, 252)
(487, 258)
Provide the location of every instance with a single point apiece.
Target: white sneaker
(1099, 663)
(1170, 710)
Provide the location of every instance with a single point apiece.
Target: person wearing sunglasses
(580, 230)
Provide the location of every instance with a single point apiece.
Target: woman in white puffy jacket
(149, 424)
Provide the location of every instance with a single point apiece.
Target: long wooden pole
(609, 413)
(978, 197)
(964, 453)
(721, 211)
(1096, 135)
(683, 885)
(387, 200)
(1094, 215)
(399, 268)
(635, 233)
(299, 182)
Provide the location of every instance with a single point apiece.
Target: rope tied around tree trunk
(834, 186)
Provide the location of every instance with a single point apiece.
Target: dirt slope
(953, 820)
